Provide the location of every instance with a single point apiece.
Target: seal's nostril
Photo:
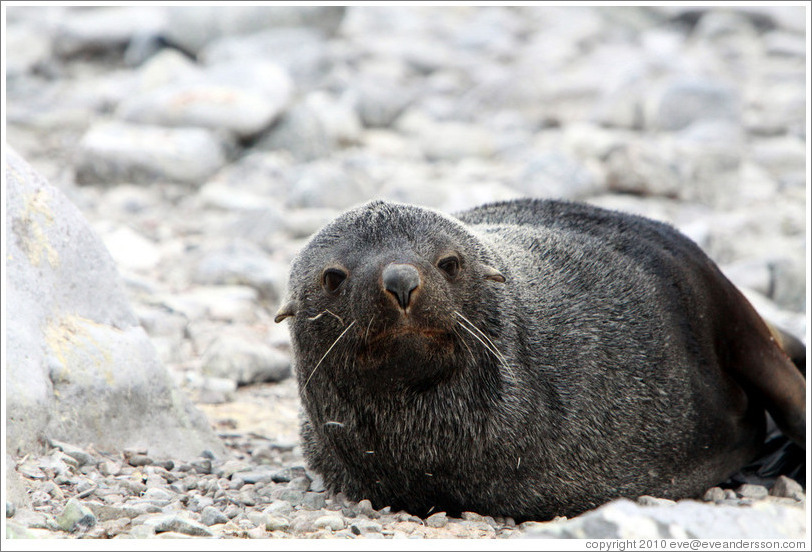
(400, 280)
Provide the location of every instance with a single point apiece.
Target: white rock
(81, 368)
(243, 98)
(244, 361)
(686, 519)
(112, 152)
(194, 27)
(105, 28)
(26, 47)
(132, 250)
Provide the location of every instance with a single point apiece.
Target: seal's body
(529, 358)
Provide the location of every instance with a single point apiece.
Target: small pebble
(334, 523)
(714, 494)
(789, 488)
(275, 523)
(314, 501)
(294, 497)
(10, 509)
(168, 465)
(82, 457)
(138, 460)
(142, 532)
(365, 508)
(157, 494)
(180, 524)
(437, 520)
(316, 483)
(299, 483)
(365, 526)
(279, 508)
(749, 490)
(75, 516)
(109, 468)
(258, 519)
(646, 500)
(202, 466)
(285, 475)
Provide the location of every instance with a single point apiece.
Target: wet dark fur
(612, 328)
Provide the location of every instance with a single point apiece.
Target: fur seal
(530, 358)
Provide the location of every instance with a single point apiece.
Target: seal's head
(390, 295)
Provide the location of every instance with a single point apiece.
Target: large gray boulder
(80, 368)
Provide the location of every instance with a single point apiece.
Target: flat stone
(279, 508)
(118, 152)
(215, 101)
(81, 456)
(194, 27)
(242, 263)
(556, 175)
(303, 52)
(334, 523)
(245, 361)
(686, 519)
(686, 101)
(276, 523)
(365, 527)
(748, 490)
(321, 184)
(646, 500)
(98, 30)
(158, 494)
(180, 524)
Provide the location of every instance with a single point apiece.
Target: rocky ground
(205, 146)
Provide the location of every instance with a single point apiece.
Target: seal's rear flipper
(780, 456)
(757, 361)
(791, 345)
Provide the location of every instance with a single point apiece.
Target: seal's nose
(400, 280)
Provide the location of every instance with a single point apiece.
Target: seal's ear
(493, 274)
(285, 311)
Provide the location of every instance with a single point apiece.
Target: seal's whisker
(366, 335)
(471, 325)
(490, 346)
(326, 311)
(465, 344)
(327, 353)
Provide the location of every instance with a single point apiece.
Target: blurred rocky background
(203, 145)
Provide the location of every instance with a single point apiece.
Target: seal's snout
(400, 280)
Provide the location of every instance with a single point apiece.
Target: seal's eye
(332, 278)
(450, 265)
